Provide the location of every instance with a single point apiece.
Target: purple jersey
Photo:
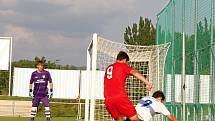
(40, 81)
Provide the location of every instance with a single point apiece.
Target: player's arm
(30, 90)
(50, 90)
(50, 85)
(142, 78)
(164, 111)
(171, 117)
(30, 86)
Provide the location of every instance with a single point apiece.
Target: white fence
(5, 52)
(204, 88)
(67, 84)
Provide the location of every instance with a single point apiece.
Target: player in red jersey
(117, 101)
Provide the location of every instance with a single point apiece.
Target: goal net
(148, 60)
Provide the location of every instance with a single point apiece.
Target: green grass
(29, 99)
(61, 108)
(15, 98)
(38, 119)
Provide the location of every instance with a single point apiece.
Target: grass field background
(38, 119)
(61, 110)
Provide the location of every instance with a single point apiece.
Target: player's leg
(134, 118)
(127, 109)
(35, 103)
(33, 113)
(127, 119)
(121, 118)
(45, 102)
(111, 108)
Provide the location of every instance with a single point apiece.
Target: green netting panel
(196, 18)
(178, 37)
(189, 20)
(175, 109)
(203, 35)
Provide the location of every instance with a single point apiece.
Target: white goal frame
(152, 55)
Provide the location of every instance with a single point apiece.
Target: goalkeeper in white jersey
(149, 106)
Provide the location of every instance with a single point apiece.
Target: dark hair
(158, 94)
(39, 62)
(122, 55)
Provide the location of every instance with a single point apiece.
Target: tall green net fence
(196, 18)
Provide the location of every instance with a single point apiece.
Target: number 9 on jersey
(110, 72)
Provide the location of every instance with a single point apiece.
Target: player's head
(40, 65)
(122, 56)
(159, 95)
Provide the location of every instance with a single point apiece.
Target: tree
(24, 63)
(203, 49)
(48, 64)
(143, 35)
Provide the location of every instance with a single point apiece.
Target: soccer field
(38, 119)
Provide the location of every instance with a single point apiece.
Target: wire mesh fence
(196, 19)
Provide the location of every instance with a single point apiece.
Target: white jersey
(149, 106)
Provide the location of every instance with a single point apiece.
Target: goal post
(148, 60)
(5, 62)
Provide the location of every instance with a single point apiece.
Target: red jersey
(114, 80)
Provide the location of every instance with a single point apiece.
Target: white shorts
(143, 113)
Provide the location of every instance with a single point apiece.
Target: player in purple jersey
(40, 78)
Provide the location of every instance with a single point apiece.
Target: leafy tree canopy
(144, 34)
